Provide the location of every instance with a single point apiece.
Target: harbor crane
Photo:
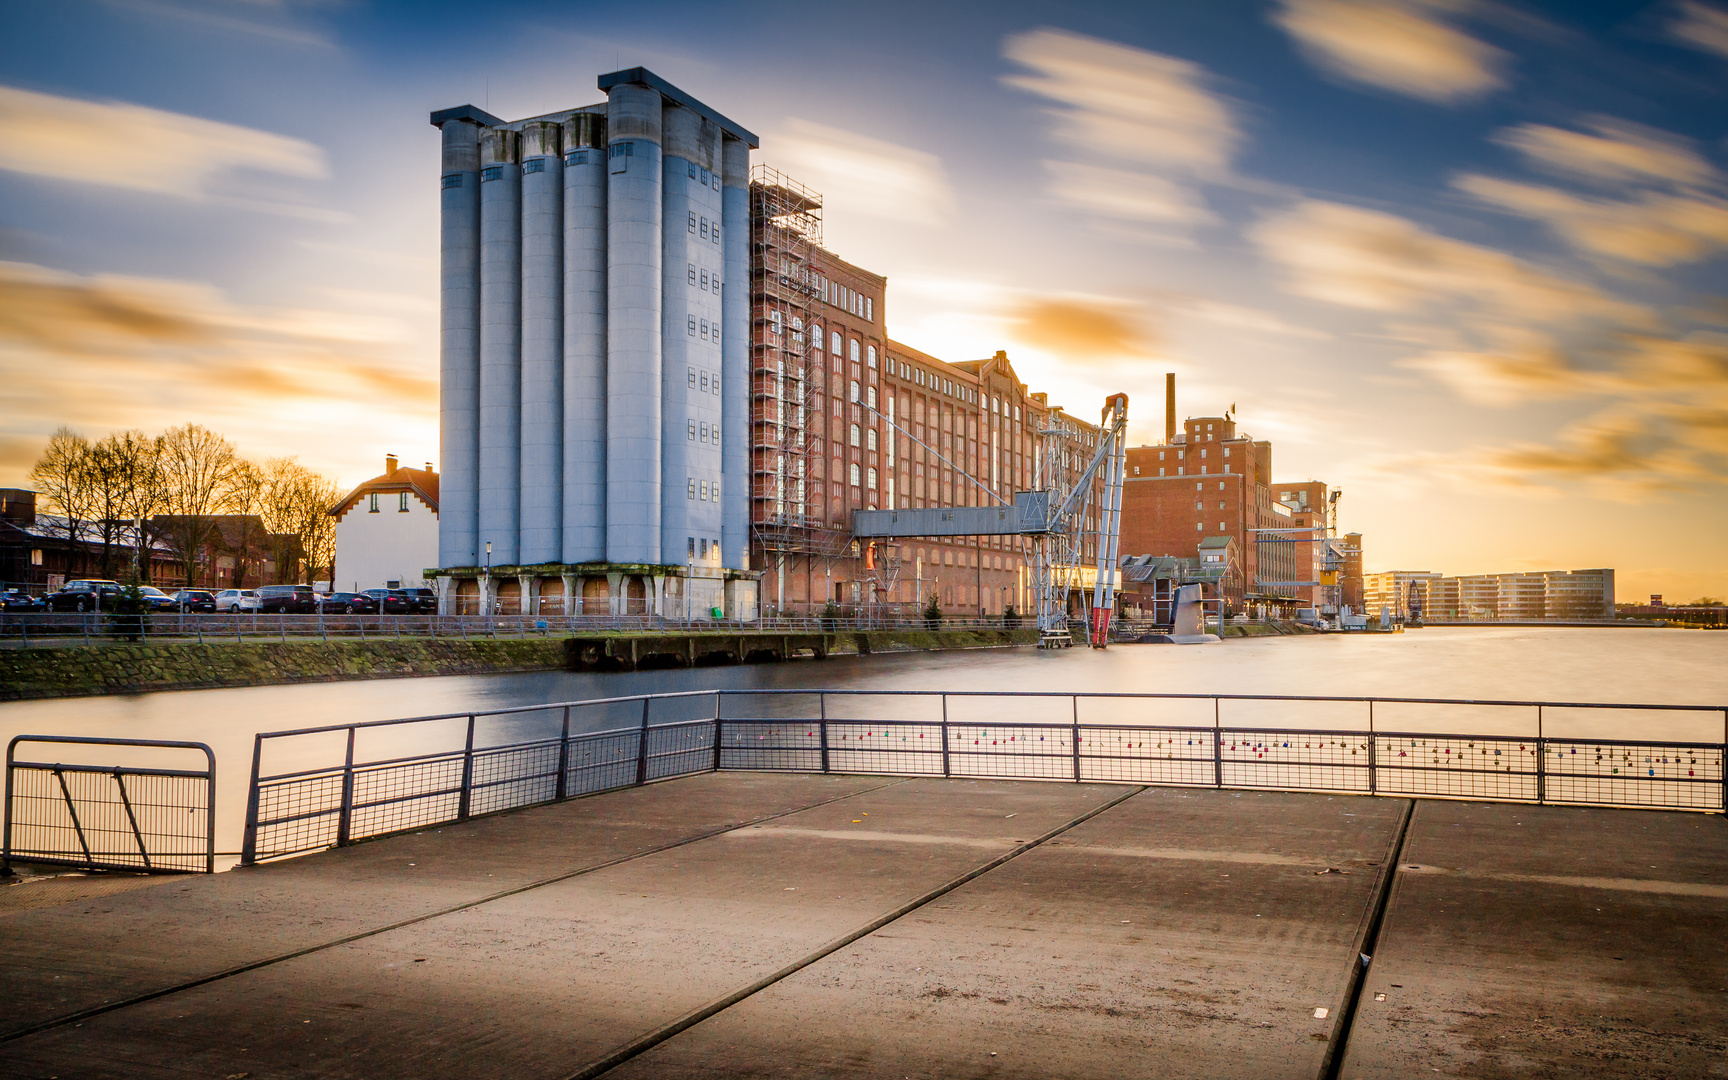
(1068, 508)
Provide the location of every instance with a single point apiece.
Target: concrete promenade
(748, 924)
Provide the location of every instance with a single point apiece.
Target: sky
(1463, 260)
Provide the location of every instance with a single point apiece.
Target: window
(1226, 468)
(869, 309)
(852, 473)
(1226, 451)
(870, 396)
(373, 507)
(852, 347)
(692, 376)
(853, 388)
(1220, 485)
(692, 326)
(703, 232)
(714, 383)
(704, 285)
(692, 494)
(692, 431)
(870, 477)
(1199, 527)
(1160, 472)
(1220, 526)
(870, 356)
(692, 224)
(834, 342)
(1202, 453)
(714, 488)
(854, 434)
(704, 383)
(491, 172)
(714, 234)
(1160, 455)
(704, 329)
(869, 444)
(402, 503)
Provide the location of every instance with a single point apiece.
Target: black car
(20, 601)
(157, 600)
(347, 603)
(194, 600)
(425, 601)
(286, 599)
(394, 601)
(85, 594)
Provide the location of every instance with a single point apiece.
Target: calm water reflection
(1588, 665)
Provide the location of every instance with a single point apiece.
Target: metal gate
(111, 817)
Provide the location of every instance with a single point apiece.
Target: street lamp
(486, 585)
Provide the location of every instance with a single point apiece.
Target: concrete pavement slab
(1551, 941)
(544, 981)
(1185, 932)
(74, 956)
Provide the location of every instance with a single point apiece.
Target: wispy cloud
(106, 351)
(1518, 365)
(1381, 262)
(1080, 330)
(1702, 27)
(213, 17)
(1667, 207)
(1407, 47)
(119, 144)
(1150, 116)
(858, 174)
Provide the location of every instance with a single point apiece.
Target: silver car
(237, 600)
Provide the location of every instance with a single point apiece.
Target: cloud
(866, 176)
(1702, 27)
(1245, 318)
(1396, 46)
(1524, 365)
(1147, 114)
(1127, 196)
(123, 352)
(1653, 229)
(287, 35)
(1125, 102)
(142, 149)
(1079, 330)
(1380, 262)
(1618, 152)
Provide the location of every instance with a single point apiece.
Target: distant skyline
(1462, 259)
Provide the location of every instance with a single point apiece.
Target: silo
(633, 360)
(459, 341)
(500, 343)
(584, 526)
(735, 354)
(542, 483)
(692, 338)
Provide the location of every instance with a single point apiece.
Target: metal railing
(35, 629)
(110, 817)
(1108, 738)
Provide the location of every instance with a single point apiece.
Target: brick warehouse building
(846, 419)
(1211, 480)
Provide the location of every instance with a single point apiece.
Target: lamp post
(486, 584)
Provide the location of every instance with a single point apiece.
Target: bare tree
(296, 503)
(122, 476)
(197, 477)
(62, 475)
(140, 456)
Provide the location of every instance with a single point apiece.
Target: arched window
(870, 396)
(834, 342)
(872, 477)
(870, 441)
(853, 345)
(854, 438)
(870, 355)
(854, 475)
(854, 388)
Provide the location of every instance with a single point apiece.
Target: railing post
(1541, 760)
(1373, 751)
(6, 817)
(345, 819)
(466, 800)
(249, 841)
(563, 757)
(717, 696)
(822, 727)
(642, 747)
(946, 771)
(1074, 701)
(1217, 748)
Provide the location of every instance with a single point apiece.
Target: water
(1655, 666)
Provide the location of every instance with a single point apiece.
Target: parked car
(347, 603)
(236, 600)
(194, 600)
(85, 594)
(287, 599)
(157, 600)
(394, 601)
(20, 601)
(425, 601)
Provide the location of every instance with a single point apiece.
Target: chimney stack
(428, 466)
(389, 464)
(1169, 408)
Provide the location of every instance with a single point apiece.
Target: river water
(1652, 666)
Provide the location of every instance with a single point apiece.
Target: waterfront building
(1533, 595)
(387, 532)
(1391, 589)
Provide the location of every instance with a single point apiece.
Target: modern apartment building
(1546, 594)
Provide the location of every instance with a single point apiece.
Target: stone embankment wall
(74, 671)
